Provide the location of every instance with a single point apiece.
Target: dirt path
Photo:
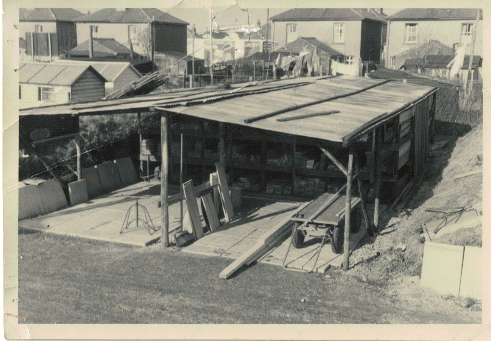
(66, 280)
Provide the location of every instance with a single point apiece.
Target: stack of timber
(142, 86)
(204, 195)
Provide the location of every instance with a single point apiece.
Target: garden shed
(294, 138)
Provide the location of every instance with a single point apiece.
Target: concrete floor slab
(102, 218)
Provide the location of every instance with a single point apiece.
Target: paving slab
(94, 187)
(109, 176)
(30, 202)
(126, 170)
(52, 195)
(442, 267)
(78, 192)
(471, 281)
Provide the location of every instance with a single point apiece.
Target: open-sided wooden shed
(355, 117)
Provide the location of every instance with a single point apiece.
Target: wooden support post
(221, 143)
(79, 157)
(432, 118)
(347, 210)
(164, 209)
(362, 197)
(138, 118)
(180, 183)
(376, 190)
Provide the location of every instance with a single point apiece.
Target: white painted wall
(29, 95)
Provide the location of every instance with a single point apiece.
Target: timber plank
(210, 211)
(193, 210)
(224, 193)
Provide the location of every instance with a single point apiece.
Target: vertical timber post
(376, 191)
(221, 143)
(79, 156)
(138, 118)
(347, 211)
(164, 208)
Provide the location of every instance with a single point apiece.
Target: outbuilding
(47, 84)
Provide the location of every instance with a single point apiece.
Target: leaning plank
(224, 193)
(210, 211)
(193, 208)
(261, 246)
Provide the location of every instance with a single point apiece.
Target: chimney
(381, 10)
(91, 43)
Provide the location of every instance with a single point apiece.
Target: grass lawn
(70, 280)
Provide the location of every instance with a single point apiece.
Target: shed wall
(89, 87)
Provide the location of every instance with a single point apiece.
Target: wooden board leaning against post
(210, 211)
(193, 210)
(224, 193)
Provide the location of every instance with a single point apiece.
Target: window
(291, 32)
(466, 33)
(38, 28)
(133, 32)
(69, 96)
(349, 60)
(338, 33)
(20, 91)
(45, 94)
(411, 33)
(393, 62)
(95, 29)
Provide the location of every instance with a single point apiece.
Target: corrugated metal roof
(51, 74)
(131, 15)
(435, 14)
(309, 43)
(103, 47)
(328, 14)
(358, 113)
(109, 70)
(48, 14)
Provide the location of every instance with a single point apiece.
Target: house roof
(441, 61)
(48, 14)
(432, 46)
(360, 104)
(103, 47)
(109, 70)
(52, 73)
(328, 14)
(130, 15)
(176, 55)
(308, 43)
(435, 14)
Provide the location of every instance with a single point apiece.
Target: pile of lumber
(142, 86)
(208, 195)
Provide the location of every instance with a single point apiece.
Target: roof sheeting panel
(69, 75)
(46, 74)
(51, 74)
(27, 71)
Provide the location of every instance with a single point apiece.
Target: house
(117, 74)
(52, 83)
(103, 48)
(413, 28)
(143, 30)
(437, 66)
(46, 33)
(355, 33)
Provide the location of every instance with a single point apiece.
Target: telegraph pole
(194, 33)
(211, 46)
